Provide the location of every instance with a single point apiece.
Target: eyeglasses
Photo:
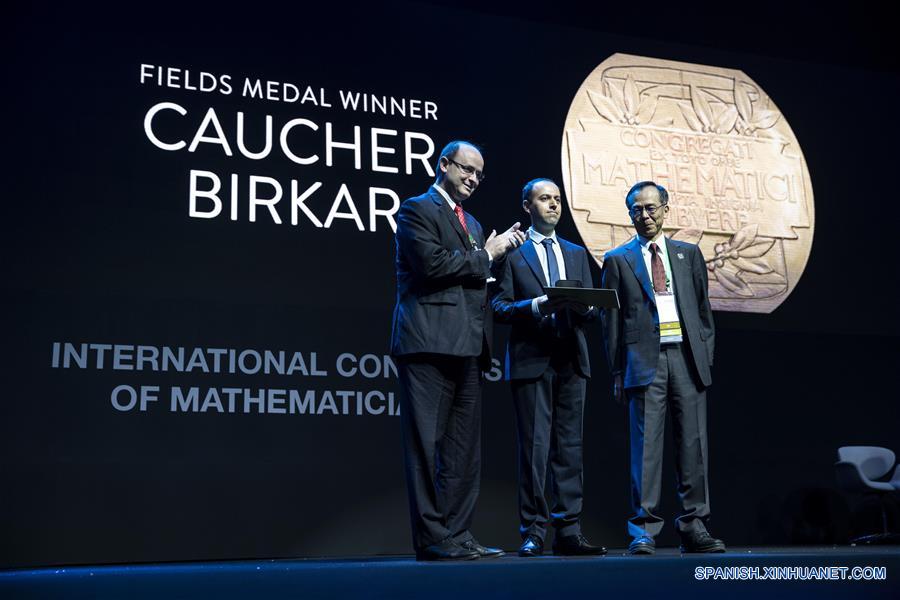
(637, 211)
(468, 170)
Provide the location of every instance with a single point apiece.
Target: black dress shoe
(575, 545)
(701, 542)
(483, 551)
(532, 546)
(446, 550)
(642, 544)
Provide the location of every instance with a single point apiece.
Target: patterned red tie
(659, 271)
(462, 218)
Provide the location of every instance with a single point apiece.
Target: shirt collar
(446, 196)
(538, 237)
(660, 241)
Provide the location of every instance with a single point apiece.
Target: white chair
(865, 469)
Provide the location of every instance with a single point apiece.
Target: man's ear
(526, 206)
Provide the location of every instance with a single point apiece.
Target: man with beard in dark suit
(548, 365)
(659, 345)
(441, 339)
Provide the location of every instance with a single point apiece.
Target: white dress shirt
(660, 241)
(537, 239)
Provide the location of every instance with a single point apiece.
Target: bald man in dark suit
(441, 339)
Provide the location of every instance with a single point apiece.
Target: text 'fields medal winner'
(738, 184)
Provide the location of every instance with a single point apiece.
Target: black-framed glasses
(637, 211)
(468, 170)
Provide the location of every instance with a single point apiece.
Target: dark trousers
(549, 416)
(677, 388)
(440, 415)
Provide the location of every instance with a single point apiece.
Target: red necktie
(462, 218)
(659, 271)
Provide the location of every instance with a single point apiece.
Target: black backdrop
(98, 247)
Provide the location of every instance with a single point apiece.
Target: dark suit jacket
(631, 333)
(442, 303)
(531, 339)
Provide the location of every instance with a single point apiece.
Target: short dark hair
(450, 151)
(636, 189)
(526, 191)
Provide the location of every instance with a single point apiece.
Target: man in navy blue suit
(441, 339)
(659, 345)
(548, 365)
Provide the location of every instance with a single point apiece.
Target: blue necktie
(552, 266)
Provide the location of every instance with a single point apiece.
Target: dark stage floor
(667, 574)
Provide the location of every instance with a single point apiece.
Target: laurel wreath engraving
(743, 253)
(750, 118)
(626, 105)
(706, 111)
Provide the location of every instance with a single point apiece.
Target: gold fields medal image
(738, 184)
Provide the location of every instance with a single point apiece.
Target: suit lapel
(678, 265)
(568, 258)
(635, 260)
(474, 229)
(448, 213)
(529, 253)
